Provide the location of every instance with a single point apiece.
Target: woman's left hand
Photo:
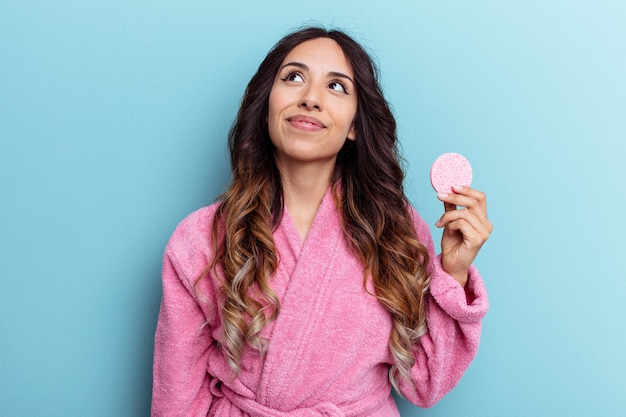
(466, 229)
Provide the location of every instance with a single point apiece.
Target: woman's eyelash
(343, 85)
(289, 76)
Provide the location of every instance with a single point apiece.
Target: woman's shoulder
(200, 219)
(421, 227)
(194, 229)
(415, 216)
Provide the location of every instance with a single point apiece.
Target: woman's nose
(312, 98)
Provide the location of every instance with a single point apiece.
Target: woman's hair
(367, 184)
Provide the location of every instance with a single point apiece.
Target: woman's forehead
(320, 53)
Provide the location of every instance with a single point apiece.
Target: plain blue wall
(113, 117)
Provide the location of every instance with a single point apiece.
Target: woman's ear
(351, 133)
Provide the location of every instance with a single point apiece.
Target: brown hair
(367, 183)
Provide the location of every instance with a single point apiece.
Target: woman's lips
(306, 123)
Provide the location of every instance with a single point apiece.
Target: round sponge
(448, 170)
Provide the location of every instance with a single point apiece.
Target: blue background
(113, 118)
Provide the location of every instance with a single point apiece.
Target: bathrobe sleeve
(183, 338)
(453, 316)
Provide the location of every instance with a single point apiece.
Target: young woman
(312, 286)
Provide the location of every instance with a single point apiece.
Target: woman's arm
(183, 337)
(453, 315)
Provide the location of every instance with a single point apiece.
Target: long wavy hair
(367, 184)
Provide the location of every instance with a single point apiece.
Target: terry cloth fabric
(328, 349)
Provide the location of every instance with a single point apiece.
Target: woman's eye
(337, 86)
(294, 76)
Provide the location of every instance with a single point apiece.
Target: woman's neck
(303, 190)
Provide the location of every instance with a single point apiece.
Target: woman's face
(312, 104)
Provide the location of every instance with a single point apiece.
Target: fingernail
(442, 195)
(458, 187)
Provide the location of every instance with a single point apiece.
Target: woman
(312, 286)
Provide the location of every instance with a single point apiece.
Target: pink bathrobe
(328, 350)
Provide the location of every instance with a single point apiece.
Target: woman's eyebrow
(295, 64)
(306, 68)
(340, 75)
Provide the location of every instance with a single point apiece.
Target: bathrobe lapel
(304, 284)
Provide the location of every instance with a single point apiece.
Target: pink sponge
(448, 170)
